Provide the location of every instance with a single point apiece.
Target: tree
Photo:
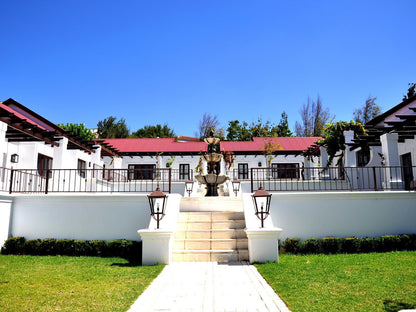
(110, 129)
(314, 117)
(78, 130)
(210, 124)
(369, 111)
(237, 131)
(410, 92)
(154, 132)
(283, 127)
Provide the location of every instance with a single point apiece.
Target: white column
(390, 151)
(350, 159)
(324, 156)
(59, 155)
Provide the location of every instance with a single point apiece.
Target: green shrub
(65, 247)
(47, 246)
(32, 247)
(366, 244)
(330, 245)
(311, 246)
(387, 243)
(349, 245)
(98, 248)
(397, 305)
(292, 245)
(13, 246)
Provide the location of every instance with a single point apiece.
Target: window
(82, 165)
(363, 157)
(44, 164)
(242, 171)
(183, 171)
(285, 171)
(142, 172)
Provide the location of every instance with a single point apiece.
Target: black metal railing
(86, 180)
(333, 178)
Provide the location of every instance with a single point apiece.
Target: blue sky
(157, 62)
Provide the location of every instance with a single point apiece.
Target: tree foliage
(78, 130)
(157, 131)
(410, 92)
(369, 111)
(313, 119)
(109, 128)
(237, 131)
(208, 124)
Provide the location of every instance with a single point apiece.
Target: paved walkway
(209, 286)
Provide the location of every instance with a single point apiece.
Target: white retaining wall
(84, 217)
(343, 214)
(116, 216)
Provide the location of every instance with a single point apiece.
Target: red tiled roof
(24, 116)
(154, 145)
(296, 144)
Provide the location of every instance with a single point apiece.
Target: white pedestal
(157, 246)
(263, 244)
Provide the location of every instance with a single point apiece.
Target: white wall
(360, 214)
(83, 217)
(5, 209)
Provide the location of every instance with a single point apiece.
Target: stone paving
(209, 286)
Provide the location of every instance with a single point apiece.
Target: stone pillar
(306, 171)
(324, 156)
(157, 246)
(390, 151)
(263, 244)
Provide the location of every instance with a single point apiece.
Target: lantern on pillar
(262, 199)
(157, 202)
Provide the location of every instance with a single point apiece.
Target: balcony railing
(147, 180)
(332, 178)
(89, 180)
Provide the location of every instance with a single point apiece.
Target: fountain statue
(213, 179)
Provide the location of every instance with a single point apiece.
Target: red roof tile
(151, 145)
(296, 144)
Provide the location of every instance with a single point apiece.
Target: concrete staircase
(216, 235)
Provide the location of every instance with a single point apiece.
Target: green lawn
(54, 283)
(355, 282)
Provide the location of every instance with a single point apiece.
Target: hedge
(335, 245)
(130, 250)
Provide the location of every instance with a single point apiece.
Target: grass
(354, 282)
(54, 283)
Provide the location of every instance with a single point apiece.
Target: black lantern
(262, 200)
(157, 202)
(14, 158)
(189, 185)
(236, 186)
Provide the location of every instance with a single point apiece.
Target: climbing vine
(334, 139)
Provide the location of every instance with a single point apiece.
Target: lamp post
(189, 185)
(262, 199)
(236, 186)
(157, 202)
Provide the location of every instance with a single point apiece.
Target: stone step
(210, 244)
(207, 225)
(210, 216)
(210, 255)
(218, 233)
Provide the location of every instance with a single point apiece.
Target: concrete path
(209, 286)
